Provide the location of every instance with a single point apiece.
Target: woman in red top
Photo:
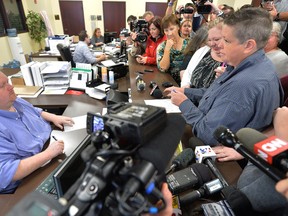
(154, 39)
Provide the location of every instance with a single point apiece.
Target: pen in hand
(54, 138)
(57, 140)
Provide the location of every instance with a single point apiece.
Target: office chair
(66, 54)
(60, 49)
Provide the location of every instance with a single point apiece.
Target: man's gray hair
(251, 23)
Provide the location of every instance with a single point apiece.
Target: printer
(56, 39)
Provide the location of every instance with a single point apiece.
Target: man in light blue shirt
(82, 52)
(24, 130)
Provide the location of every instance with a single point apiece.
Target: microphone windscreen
(184, 158)
(194, 142)
(249, 137)
(202, 172)
(157, 94)
(160, 149)
(219, 132)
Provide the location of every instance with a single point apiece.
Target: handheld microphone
(140, 84)
(156, 92)
(208, 188)
(227, 138)
(273, 150)
(205, 154)
(182, 160)
(182, 180)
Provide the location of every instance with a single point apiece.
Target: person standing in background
(148, 16)
(154, 39)
(274, 53)
(278, 9)
(186, 29)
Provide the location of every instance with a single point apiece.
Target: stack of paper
(165, 103)
(27, 91)
(99, 92)
(56, 77)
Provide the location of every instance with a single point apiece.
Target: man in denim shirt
(245, 95)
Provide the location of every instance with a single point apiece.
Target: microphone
(273, 150)
(154, 156)
(227, 138)
(182, 160)
(155, 91)
(140, 84)
(208, 188)
(182, 180)
(206, 155)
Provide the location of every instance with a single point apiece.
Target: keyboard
(47, 187)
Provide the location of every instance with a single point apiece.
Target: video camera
(121, 171)
(202, 8)
(186, 11)
(141, 28)
(130, 125)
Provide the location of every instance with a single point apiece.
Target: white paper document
(165, 103)
(71, 139)
(108, 63)
(79, 123)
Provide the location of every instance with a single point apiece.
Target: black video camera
(141, 28)
(130, 124)
(202, 8)
(186, 11)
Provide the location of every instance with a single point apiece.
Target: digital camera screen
(98, 123)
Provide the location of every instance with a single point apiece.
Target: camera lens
(141, 37)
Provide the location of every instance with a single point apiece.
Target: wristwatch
(170, 4)
(277, 18)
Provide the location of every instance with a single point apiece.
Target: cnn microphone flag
(270, 147)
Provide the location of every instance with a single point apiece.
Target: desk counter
(156, 76)
(45, 56)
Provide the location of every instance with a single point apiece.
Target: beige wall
(91, 7)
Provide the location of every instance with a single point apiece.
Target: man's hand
(177, 95)
(167, 195)
(59, 121)
(55, 148)
(224, 153)
(101, 57)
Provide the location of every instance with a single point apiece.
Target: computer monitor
(109, 36)
(71, 169)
